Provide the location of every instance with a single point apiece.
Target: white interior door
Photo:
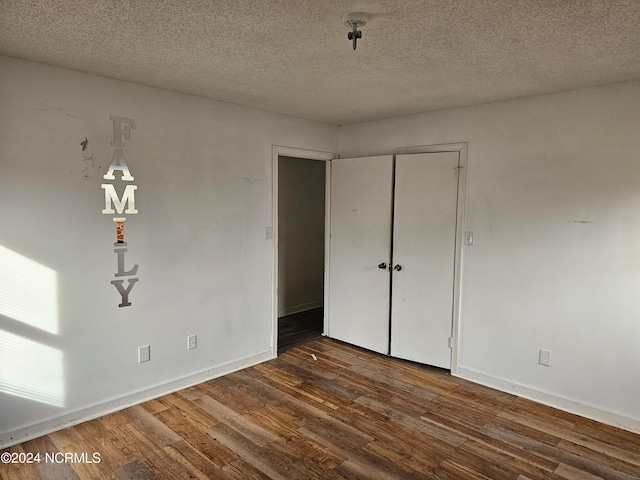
(424, 232)
(360, 237)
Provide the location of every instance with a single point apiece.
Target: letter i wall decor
(121, 131)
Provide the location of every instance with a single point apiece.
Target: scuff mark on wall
(251, 180)
(52, 109)
(88, 168)
(579, 221)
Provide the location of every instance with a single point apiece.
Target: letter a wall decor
(113, 204)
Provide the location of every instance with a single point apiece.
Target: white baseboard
(283, 312)
(551, 399)
(111, 405)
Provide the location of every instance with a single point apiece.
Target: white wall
(553, 199)
(301, 191)
(203, 171)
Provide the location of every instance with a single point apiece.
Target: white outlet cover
(544, 357)
(144, 353)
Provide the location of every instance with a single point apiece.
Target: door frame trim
(277, 151)
(461, 227)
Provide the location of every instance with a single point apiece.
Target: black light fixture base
(353, 21)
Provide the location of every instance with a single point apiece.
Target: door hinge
(450, 342)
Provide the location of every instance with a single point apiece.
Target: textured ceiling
(293, 56)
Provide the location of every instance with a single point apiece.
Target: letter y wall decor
(113, 204)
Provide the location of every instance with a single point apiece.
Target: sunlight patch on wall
(31, 370)
(28, 291)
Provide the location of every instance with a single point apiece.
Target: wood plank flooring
(299, 328)
(350, 414)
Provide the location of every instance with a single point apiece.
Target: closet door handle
(397, 268)
(382, 266)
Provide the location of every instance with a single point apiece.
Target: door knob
(397, 268)
(382, 266)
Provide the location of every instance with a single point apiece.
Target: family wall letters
(125, 204)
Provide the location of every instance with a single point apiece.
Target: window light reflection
(28, 291)
(31, 370)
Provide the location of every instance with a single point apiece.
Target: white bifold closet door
(409, 314)
(360, 239)
(424, 235)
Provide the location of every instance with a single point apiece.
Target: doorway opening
(300, 198)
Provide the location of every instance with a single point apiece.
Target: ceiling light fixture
(353, 21)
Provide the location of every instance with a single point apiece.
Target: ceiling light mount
(353, 21)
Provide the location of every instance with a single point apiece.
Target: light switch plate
(468, 238)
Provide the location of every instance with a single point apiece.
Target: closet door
(424, 232)
(361, 193)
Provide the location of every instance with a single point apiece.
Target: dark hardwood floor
(299, 328)
(348, 414)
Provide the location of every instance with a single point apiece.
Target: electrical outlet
(192, 342)
(144, 353)
(544, 357)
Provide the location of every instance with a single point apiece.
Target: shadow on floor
(299, 328)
